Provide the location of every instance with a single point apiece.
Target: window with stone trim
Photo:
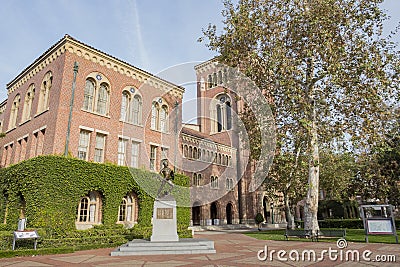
(221, 112)
(99, 147)
(96, 96)
(44, 94)
(29, 96)
(122, 144)
(14, 112)
(127, 209)
(153, 157)
(131, 107)
(214, 182)
(135, 154)
(88, 96)
(89, 208)
(83, 145)
(159, 116)
(103, 95)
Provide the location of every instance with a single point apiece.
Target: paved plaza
(233, 249)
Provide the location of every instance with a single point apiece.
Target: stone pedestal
(164, 239)
(164, 220)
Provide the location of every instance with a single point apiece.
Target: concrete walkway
(233, 249)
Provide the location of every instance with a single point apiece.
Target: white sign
(25, 234)
(380, 226)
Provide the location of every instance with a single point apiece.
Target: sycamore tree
(326, 67)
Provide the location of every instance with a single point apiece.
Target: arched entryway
(213, 212)
(196, 215)
(229, 213)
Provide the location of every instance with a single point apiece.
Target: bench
(298, 233)
(327, 233)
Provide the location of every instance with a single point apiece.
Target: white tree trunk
(311, 205)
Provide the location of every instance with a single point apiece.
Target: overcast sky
(153, 35)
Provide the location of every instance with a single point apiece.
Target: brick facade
(46, 132)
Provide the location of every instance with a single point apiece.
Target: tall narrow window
(102, 99)
(214, 182)
(26, 114)
(124, 105)
(83, 146)
(153, 154)
(99, 148)
(155, 109)
(219, 77)
(88, 95)
(221, 113)
(209, 81)
(14, 112)
(136, 110)
(44, 95)
(121, 151)
(163, 119)
(135, 155)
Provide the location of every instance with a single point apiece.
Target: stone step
(183, 246)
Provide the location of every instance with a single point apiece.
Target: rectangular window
(153, 153)
(99, 148)
(83, 146)
(121, 151)
(135, 155)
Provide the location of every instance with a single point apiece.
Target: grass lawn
(352, 235)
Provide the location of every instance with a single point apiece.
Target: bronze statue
(168, 176)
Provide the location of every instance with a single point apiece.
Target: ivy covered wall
(52, 186)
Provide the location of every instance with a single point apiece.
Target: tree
(288, 175)
(326, 66)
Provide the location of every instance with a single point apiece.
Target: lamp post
(272, 213)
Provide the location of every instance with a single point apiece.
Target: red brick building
(76, 100)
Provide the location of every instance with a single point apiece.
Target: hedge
(53, 185)
(343, 223)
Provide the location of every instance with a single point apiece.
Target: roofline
(205, 63)
(68, 38)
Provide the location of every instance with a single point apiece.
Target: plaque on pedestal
(164, 219)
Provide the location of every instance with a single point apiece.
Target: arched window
(96, 96)
(222, 113)
(88, 97)
(89, 209)
(26, 113)
(163, 119)
(102, 99)
(124, 105)
(209, 82)
(155, 110)
(214, 79)
(229, 184)
(14, 112)
(214, 182)
(45, 92)
(194, 156)
(219, 77)
(127, 213)
(136, 110)
(197, 179)
(185, 151)
(131, 107)
(190, 152)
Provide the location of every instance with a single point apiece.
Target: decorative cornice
(207, 143)
(89, 53)
(206, 66)
(3, 106)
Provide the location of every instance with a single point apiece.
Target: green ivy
(53, 185)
